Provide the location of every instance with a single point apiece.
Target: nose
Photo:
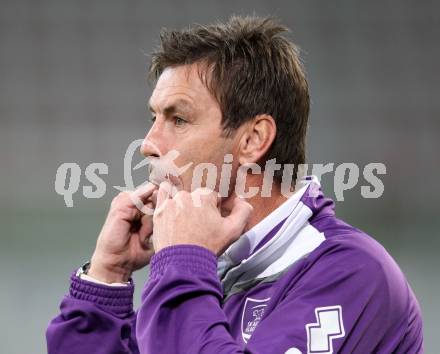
(149, 149)
(150, 146)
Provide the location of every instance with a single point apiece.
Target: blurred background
(73, 89)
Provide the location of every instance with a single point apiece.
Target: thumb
(238, 218)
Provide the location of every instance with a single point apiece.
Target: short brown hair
(254, 70)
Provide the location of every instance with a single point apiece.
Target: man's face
(187, 119)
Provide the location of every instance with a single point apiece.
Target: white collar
(246, 244)
(257, 233)
(295, 239)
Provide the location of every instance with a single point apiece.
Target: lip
(159, 175)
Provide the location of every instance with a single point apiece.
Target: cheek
(196, 176)
(202, 151)
(212, 174)
(185, 158)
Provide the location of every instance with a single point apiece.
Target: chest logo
(252, 313)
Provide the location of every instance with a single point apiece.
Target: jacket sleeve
(181, 305)
(335, 308)
(94, 319)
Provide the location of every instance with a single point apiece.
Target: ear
(257, 138)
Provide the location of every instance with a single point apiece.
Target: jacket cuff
(191, 258)
(115, 299)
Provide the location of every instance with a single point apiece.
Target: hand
(123, 245)
(194, 218)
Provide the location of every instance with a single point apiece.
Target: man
(234, 271)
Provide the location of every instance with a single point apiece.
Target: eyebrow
(177, 105)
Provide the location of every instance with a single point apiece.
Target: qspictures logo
(346, 176)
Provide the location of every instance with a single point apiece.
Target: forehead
(181, 84)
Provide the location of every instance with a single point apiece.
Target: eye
(179, 121)
(153, 118)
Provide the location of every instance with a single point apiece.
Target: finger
(144, 192)
(181, 199)
(163, 194)
(176, 182)
(205, 194)
(141, 196)
(239, 216)
(124, 205)
(146, 228)
(153, 198)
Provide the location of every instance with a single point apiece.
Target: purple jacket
(316, 285)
